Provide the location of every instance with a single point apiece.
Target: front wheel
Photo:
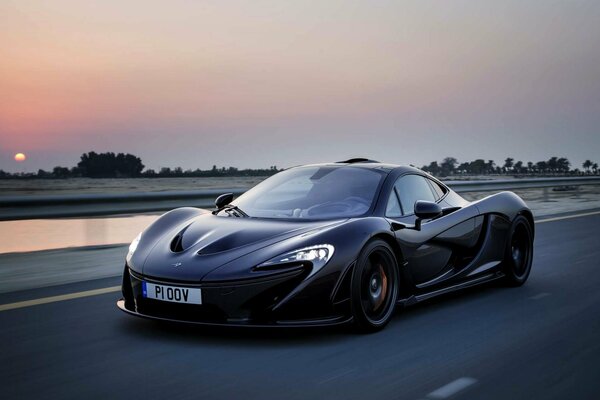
(519, 252)
(374, 286)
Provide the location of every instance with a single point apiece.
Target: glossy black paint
(427, 209)
(462, 246)
(223, 200)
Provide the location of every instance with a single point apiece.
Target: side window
(438, 190)
(411, 188)
(393, 206)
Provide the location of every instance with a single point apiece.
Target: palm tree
(541, 166)
(433, 168)
(508, 163)
(518, 167)
(553, 164)
(464, 168)
(595, 167)
(563, 164)
(448, 165)
(478, 166)
(587, 164)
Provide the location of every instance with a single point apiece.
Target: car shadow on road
(182, 332)
(285, 336)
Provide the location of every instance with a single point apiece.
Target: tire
(374, 287)
(518, 255)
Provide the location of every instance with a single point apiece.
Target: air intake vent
(176, 243)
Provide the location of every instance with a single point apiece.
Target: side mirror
(223, 200)
(423, 210)
(427, 209)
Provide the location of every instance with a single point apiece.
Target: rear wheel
(374, 286)
(519, 252)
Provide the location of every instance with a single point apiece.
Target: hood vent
(177, 242)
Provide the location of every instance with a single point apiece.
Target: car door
(425, 259)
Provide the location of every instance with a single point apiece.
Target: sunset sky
(260, 83)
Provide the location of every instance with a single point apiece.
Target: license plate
(175, 294)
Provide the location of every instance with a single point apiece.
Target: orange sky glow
(175, 82)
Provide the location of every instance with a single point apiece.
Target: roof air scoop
(356, 160)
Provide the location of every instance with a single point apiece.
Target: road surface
(540, 341)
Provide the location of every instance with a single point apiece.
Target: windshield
(323, 192)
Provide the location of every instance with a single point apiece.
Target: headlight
(318, 255)
(133, 246)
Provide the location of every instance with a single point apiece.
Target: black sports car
(325, 244)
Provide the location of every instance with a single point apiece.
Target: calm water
(43, 234)
(32, 235)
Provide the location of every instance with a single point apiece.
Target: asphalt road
(540, 341)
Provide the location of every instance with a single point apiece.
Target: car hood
(206, 242)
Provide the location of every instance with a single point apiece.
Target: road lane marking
(539, 296)
(567, 217)
(62, 297)
(452, 388)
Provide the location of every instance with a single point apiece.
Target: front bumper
(256, 302)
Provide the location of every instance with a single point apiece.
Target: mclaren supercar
(325, 244)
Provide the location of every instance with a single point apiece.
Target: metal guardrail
(97, 204)
(515, 184)
(20, 201)
(84, 205)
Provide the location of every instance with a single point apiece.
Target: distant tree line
(554, 166)
(215, 171)
(111, 165)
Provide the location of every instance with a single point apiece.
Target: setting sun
(20, 157)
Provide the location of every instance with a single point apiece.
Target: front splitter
(247, 324)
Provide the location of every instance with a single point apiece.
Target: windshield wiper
(236, 211)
